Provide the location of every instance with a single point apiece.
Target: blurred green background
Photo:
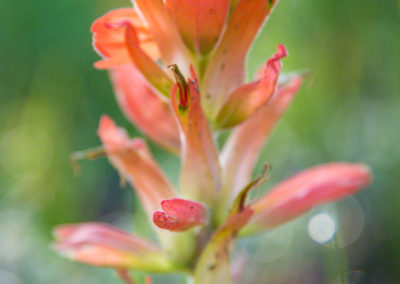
(51, 99)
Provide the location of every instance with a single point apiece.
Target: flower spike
(181, 112)
(180, 215)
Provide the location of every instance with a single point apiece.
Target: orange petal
(147, 66)
(102, 245)
(180, 215)
(225, 71)
(200, 175)
(123, 43)
(243, 147)
(246, 99)
(133, 160)
(200, 22)
(144, 108)
(315, 186)
(172, 48)
(110, 42)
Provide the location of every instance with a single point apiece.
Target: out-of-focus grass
(51, 99)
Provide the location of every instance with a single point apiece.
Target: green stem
(336, 263)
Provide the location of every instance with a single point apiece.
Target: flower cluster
(178, 71)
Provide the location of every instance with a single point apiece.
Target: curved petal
(172, 48)
(180, 215)
(200, 175)
(243, 147)
(102, 245)
(144, 108)
(225, 71)
(134, 162)
(200, 22)
(303, 191)
(121, 37)
(147, 66)
(110, 42)
(246, 99)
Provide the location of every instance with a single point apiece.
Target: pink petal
(110, 42)
(102, 245)
(133, 160)
(313, 187)
(180, 215)
(244, 145)
(246, 99)
(199, 22)
(225, 71)
(102, 234)
(144, 108)
(200, 175)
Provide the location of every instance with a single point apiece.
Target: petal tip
(282, 51)
(180, 215)
(364, 174)
(106, 125)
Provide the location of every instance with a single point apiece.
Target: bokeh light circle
(322, 228)
(348, 218)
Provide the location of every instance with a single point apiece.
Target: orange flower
(204, 44)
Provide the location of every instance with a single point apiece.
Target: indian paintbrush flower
(177, 68)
